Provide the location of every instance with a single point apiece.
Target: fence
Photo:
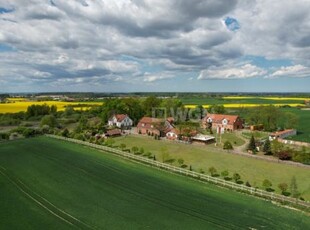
(202, 177)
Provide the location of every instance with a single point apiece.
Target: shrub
(267, 184)
(180, 161)
(212, 171)
(248, 184)
(236, 177)
(224, 173)
(227, 145)
(285, 155)
(283, 187)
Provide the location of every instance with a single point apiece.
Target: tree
(180, 161)
(227, 145)
(276, 147)
(267, 184)
(294, 188)
(65, 133)
(283, 187)
(122, 146)
(212, 171)
(49, 120)
(134, 149)
(252, 145)
(218, 109)
(236, 177)
(267, 147)
(225, 173)
(141, 150)
(149, 104)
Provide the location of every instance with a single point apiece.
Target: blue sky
(154, 45)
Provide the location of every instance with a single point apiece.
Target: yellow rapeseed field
(245, 105)
(20, 106)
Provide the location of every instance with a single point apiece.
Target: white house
(120, 121)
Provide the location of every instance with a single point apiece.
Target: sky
(154, 46)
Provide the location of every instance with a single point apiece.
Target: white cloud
(297, 71)
(152, 77)
(240, 72)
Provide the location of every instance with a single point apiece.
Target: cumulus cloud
(64, 41)
(298, 71)
(240, 72)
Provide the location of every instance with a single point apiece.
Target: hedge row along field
(50, 184)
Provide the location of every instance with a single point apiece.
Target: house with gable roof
(227, 122)
(122, 121)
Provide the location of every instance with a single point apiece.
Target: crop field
(303, 126)
(243, 101)
(21, 106)
(48, 184)
(203, 157)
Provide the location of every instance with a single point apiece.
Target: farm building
(154, 126)
(282, 134)
(121, 121)
(228, 122)
(185, 134)
(113, 133)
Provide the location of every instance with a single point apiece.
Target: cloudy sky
(155, 45)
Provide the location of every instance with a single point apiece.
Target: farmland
(21, 105)
(303, 126)
(202, 157)
(243, 101)
(67, 186)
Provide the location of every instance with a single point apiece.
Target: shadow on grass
(269, 189)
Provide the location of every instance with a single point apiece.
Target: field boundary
(304, 205)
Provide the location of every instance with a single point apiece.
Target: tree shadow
(269, 189)
(239, 182)
(215, 175)
(183, 166)
(227, 178)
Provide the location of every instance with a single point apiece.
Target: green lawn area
(96, 190)
(203, 157)
(303, 126)
(256, 134)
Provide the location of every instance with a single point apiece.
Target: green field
(219, 101)
(203, 157)
(303, 126)
(49, 184)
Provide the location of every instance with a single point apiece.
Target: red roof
(119, 117)
(278, 133)
(154, 123)
(148, 122)
(218, 118)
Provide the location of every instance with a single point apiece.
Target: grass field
(303, 126)
(48, 184)
(21, 106)
(203, 157)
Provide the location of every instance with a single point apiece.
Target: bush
(267, 184)
(212, 171)
(227, 145)
(285, 155)
(283, 187)
(236, 177)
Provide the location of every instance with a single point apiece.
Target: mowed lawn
(49, 184)
(203, 157)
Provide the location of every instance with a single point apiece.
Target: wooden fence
(214, 180)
